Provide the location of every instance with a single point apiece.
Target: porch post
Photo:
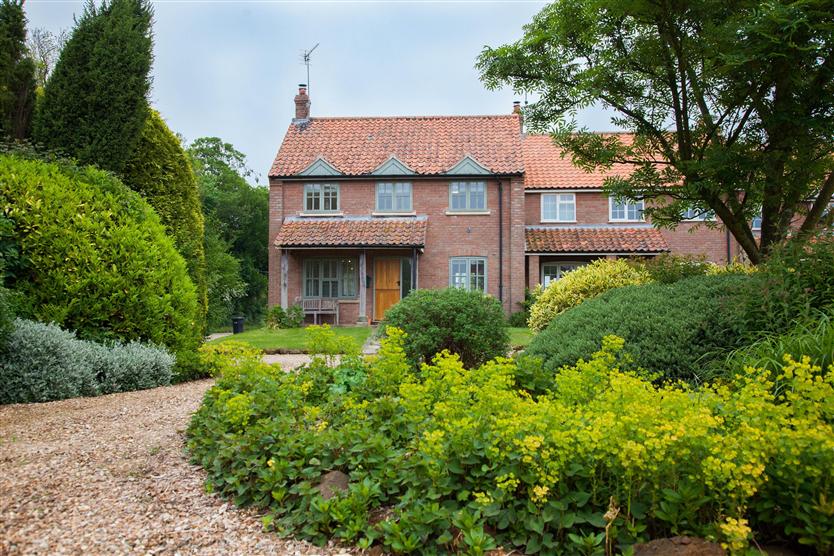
(413, 268)
(363, 315)
(285, 267)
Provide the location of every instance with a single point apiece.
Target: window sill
(558, 221)
(392, 213)
(626, 221)
(307, 214)
(468, 213)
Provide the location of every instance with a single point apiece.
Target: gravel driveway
(107, 475)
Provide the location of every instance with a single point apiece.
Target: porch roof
(352, 232)
(594, 240)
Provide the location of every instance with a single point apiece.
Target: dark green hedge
(671, 329)
(161, 172)
(470, 324)
(97, 259)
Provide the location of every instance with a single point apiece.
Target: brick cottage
(363, 210)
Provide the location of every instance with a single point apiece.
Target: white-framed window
(625, 210)
(469, 273)
(330, 277)
(393, 197)
(554, 271)
(698, 215)
(321, 197)
(558, 207)
(467, 196)
(756, 223)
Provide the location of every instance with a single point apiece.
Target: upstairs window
(559, 207)
(393, 197)
(321, 197)
(468, 273)
(756, 224)
(467, 196)
(698, 215)
(624, 210)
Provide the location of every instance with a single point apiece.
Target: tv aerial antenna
(306, 60)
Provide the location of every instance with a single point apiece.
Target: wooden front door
(386, 285)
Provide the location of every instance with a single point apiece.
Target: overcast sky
(231, 69)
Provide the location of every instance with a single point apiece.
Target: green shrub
(470, 324)
(160, 171)
(672, 329)
(794, 282)
(518, 319)
(666, 268)
(451, 460)
(584, 283)
(813, 338)
(277, 317)
(42, 362)
(6, 316)
(98, 260)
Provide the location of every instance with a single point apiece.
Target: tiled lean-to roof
(594, 240)
(352, 232)
(546, 168)
(425, 145)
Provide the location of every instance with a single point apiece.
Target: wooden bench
(318, 306)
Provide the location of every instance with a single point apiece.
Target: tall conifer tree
(17, 72)
(95, 102)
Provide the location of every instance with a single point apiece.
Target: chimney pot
(516, 107)
(302, 104)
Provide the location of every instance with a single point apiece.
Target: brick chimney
(517, 111)
(302, 104)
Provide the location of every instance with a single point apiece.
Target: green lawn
(291, 338)
(520, 337)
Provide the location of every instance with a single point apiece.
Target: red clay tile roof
(545, 168)
(594, 240)
(427, 145)
(340, 232)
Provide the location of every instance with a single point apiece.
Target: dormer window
(321, 197)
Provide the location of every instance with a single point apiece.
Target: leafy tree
(45, 48)
(225, 285)
(732, 104)
(236, 213)
(17, 81)
(161, 172)
(95, 102)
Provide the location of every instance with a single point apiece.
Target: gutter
(375, 177)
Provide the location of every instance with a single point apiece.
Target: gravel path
(108, 475)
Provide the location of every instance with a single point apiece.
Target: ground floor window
(330, 277)
(468, 273)
(554, 271)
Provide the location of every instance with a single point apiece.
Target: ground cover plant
(468, 323)
(670, 329)
(41, 362)
(443, 459)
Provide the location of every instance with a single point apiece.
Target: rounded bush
(470, 324)
(584, 283)
(160, 171)
(98, 261)
(42, 362)
(671, 329)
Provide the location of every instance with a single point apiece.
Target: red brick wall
(446, 235)
(687, 239)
